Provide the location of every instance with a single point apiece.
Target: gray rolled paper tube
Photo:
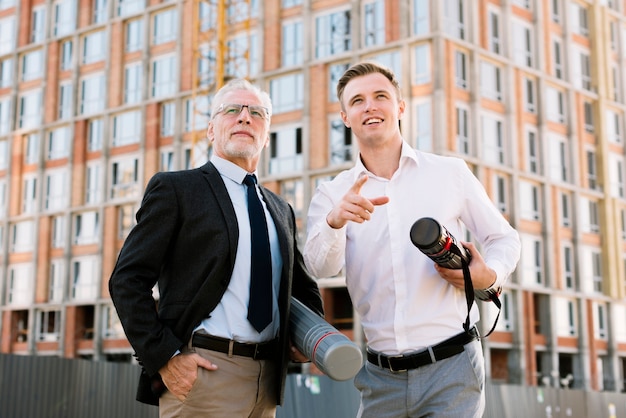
(331, 351)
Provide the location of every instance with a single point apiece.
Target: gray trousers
(450, 388)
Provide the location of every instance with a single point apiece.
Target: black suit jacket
(186, 240)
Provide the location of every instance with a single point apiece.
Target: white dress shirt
(229, 318)
(403, 303)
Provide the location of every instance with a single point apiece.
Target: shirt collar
(229, 169)
(407, 154)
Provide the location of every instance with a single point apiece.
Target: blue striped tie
(260, 305)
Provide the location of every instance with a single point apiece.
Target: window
(568, 267)
(94, 47)
(532, 261)
(31, 156)
(93, 94)
(6, 72)
(579, 19)
(530, 95)
(165, 27)
(65, 100)
(207, 16)
(293, 192)
(493, 143)
(616, 74)
(525, 4)
(335, 71)
(134, 35)
(55, 291)
(422, 64)
(600, 321)
(421, 17)
(243, 56)
(126, 128)
(460, 69)
(32, 65)
(94, 135)
(292, 44)
(85, 273)
(462, 131)
(566, 210)
(23, 237)
(57, 193)
(64, 17)
(581, 69)
(340, 136)
(240, 11)
(128, 7)
(7, 35)
(49, 326)
(132, 83)
(93, 189)
(125, 178)
(555, 9)
(593, 224)
(494, 37)
(38, 30)
(532, 149)
(592, 171)
(523, 44)
(596, 263)
(58, 231)
(557, 57)
(555, 106)
(4, 153)
(286, 150)
(59, 143)
(112, 327)
(501, 193)
(559, 158)
(166, 160)
(67, 55)
(490, 82)
(29, 199)
(127, 220)
(332, 34)
(530, 201)
(455, 18)
(3, 207)
(168, 114)
(5, 122)
(287, 93)
(164, 76)
(21, 285)
(86, 228)
(423, 131)
(614, 126)
(374, 22)
(616, 175)
(197, 113)
(100, 11)
(588, 111)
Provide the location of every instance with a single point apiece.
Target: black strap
(469, 292)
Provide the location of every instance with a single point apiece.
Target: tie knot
(250, 180)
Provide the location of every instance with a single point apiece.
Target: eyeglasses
(234, 109)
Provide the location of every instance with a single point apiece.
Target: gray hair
(240, 84)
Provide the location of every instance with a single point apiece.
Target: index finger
(358, 184)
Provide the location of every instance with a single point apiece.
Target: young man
(196, 238)
(421, 361)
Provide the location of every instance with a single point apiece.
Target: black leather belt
(260, 351)
(448, 348)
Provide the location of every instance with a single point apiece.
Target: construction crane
(213, 58)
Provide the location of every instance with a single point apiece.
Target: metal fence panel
(52, 387)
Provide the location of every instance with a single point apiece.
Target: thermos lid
(425, 233)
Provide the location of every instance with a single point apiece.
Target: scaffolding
(219, 26)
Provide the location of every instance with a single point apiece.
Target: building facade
(98, 95)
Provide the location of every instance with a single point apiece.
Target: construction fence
(52, 387)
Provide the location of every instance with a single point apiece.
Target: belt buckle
(256, 351)
(391, 369)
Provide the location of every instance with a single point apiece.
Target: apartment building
(98, 95)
